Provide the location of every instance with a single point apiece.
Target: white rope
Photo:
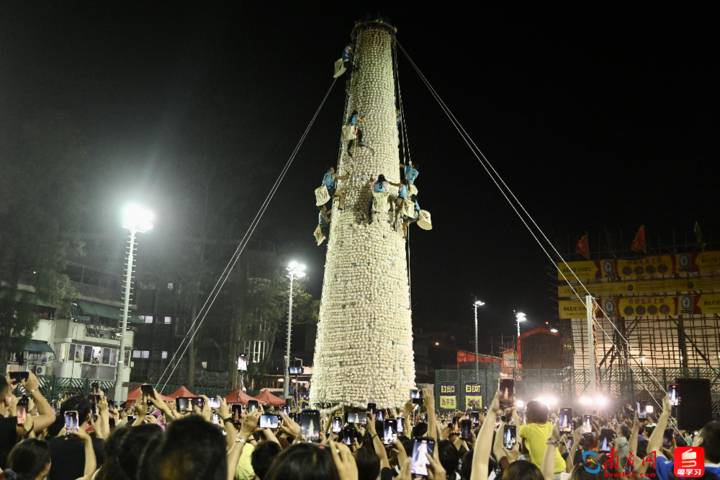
(240, 248)
(483, 161)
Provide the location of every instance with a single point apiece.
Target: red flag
(583, 247)
(639, 244)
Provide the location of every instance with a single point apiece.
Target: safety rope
(487, 166)
(238, 251)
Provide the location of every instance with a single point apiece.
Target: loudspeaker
(695, 409)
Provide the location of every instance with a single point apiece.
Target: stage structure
(665, 302)
(363, 351)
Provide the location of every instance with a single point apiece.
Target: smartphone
(269, 421)
(55, 406)
(667, 438)
(565, 425)
(310, 425)
(337, 425)
(197, 402)
(71, 422)
(95, 388)
(348, 435)
(147, 390)
(242, 362)
(284, 409)
(371, 407)
(183, 404)
(456, 424)
(674, 393)
(466, 430)
(252, 405)
(587, 424)
(111, 404)
(293, 415)
(236, 412)
(642, 410)
(19, 376)
(94, 399)
(416, 395)
(507, 393)
(111, 422)
(355, 417)
(214, 402)
(509, 436)
(475, 418)
(606, 438)
(380, 415)
(22, 411)
(419, 464)
(130, 419)
(216, 420)
(94, 410)
(391, 431)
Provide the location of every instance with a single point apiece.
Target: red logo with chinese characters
(689, 462)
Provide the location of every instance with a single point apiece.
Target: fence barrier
(620, 386)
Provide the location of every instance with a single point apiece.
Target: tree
(41, 205)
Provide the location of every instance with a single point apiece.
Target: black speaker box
(695, 409)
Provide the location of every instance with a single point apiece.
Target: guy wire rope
(468, 140)
(240, 248)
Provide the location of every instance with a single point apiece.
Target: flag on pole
(699, 236)
(639, 244)
(583, 247)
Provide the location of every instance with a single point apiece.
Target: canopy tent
(231, 398)
(181, 392)
(267, 398)
(135, 394)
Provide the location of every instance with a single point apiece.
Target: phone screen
(372, 407)
(96, 388)
(71, 421)
(674, 393)
(183, 404)
(269, 421)
(642, 410)
(214, 402)
(236, 412)
(242, 362)
(587, 424)
(147, 390)
(216, 418)
(54, 404)
(509, 436)
(507, 393)
(198, 402)
(284, 409)
(565, 420)
(252, 405)
(337, 425)
(94, 410)
(456, 424)
(19, 376)
(21, 414)
(416, 395)
(419, 464)
(466, 430)
(667, 438)
(391, 431)
(356, 417)
(310, 425)
(475, 417)
(348, 434)
(380, 415)
(400, 425)
(605, 442)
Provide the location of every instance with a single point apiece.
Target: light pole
(295, 270)
(137, 220)
(520, 317)
(477, 304)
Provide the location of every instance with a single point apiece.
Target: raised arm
(484, 441)
(377, 443)
(47, 415)
(249, 425)
(655, 441)
(429, 401)
(90, 460)
(398, 185)
(344, 177)
(548, 464)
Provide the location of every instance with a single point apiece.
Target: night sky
(597, 116)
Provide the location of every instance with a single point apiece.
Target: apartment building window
(147, 318)
(168, 320)
(164, 355)
(255, 350)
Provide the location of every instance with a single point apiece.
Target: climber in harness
(323, 229)
(353, 120)
(347, 57)
(380, 192)
(399, 200)
(407, 220)
(329, 181)
(399, 118)
(411, 173)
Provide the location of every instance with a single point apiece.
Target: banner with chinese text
(448, 396)
(473, 396)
